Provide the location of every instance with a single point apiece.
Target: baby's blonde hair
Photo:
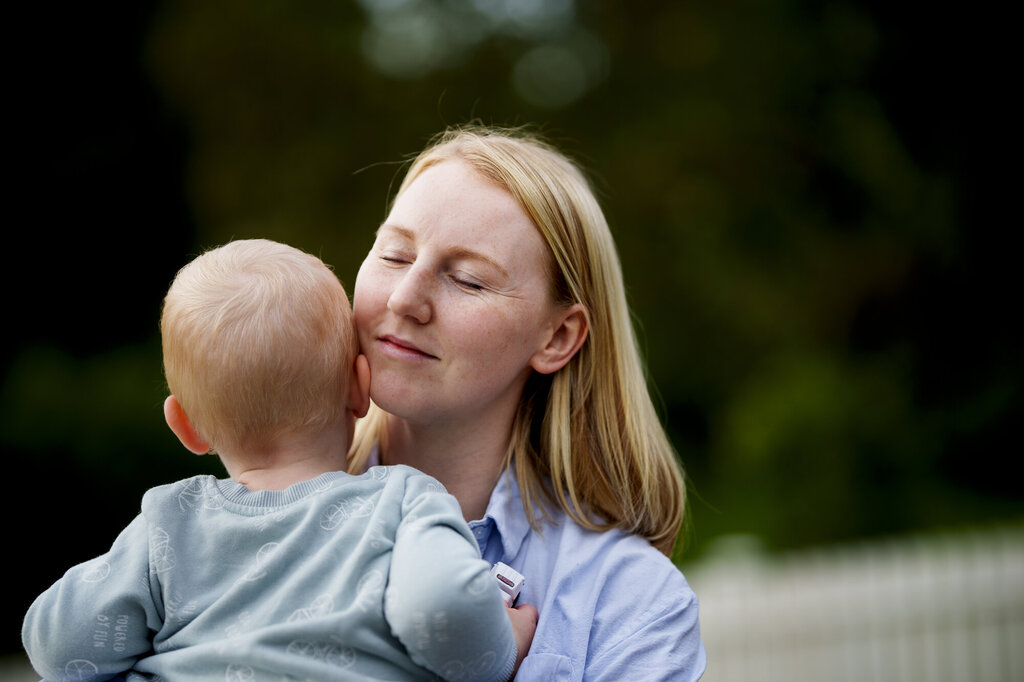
(591, 428)
(258, 342)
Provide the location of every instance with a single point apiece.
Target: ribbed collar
(238, 495)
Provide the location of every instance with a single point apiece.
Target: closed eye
(394, 258)
(468, 284)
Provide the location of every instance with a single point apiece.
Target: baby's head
(258, 344)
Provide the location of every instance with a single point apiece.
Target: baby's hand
(524, 625)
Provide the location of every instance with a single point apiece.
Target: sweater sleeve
(97, 620)
(441, 601)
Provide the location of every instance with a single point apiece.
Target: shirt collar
(506, 510)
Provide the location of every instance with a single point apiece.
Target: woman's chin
(399, 401)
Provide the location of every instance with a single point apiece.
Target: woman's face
(453, 301)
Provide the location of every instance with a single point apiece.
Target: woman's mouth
(402, 348)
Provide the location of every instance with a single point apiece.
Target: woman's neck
(468, 461)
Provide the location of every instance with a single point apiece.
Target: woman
(492, 310)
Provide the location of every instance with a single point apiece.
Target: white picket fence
(932, 608)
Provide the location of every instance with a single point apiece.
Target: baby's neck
(279, 477)
(288, 461)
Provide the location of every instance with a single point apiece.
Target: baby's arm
(442, 602)
(95, 621)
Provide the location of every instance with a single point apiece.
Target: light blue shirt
(612, 607)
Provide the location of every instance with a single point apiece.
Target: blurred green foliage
(797, 190)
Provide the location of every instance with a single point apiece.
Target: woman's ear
(569, 332)
(359, 387)
(182, 427)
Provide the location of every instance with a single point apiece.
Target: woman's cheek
(367, 294)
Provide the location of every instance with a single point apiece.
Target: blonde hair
(590, 428)
(258, 342)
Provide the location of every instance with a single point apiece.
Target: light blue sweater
(340, 577)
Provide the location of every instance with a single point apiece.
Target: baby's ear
(359, 387)
(182, 427)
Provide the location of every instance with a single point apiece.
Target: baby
(290, 568)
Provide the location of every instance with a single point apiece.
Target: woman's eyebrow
(402, 231)
(463, 253)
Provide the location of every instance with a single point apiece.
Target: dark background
(812, 203)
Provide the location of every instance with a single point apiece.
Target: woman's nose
(411, 296)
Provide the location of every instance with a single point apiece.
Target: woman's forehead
(454, 179)
(459, 214)
(452, 196)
